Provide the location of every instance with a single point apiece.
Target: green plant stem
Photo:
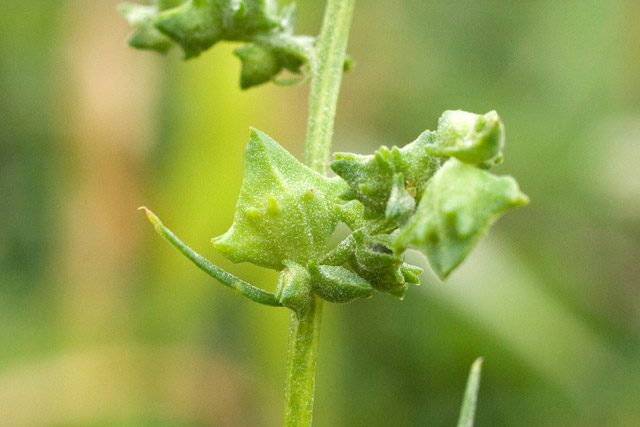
(304, 334)
(304, 331)
(326, 70)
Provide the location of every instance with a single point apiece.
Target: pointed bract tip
(255, 133)
(151, 216)
(257, 138)
(522, 199)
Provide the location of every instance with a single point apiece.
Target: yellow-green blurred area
(102, 323)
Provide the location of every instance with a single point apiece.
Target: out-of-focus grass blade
(468, 410)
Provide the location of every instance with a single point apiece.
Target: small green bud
(337, 284)
(471, 138)
(269, 54)
(411, 273)
(294, 287)
(371, 178)
(368, 178)
(401, 205)
(375, 261)
(258, 65)
(349, 63)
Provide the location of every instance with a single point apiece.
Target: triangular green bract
(285, 210)
(458, 207)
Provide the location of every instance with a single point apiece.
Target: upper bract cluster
(197, 25)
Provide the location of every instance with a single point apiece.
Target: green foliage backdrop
(101, 323)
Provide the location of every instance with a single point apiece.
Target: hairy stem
(327, 69)
(304, 330)
(301, 368)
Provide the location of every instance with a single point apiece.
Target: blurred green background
(102, 323)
